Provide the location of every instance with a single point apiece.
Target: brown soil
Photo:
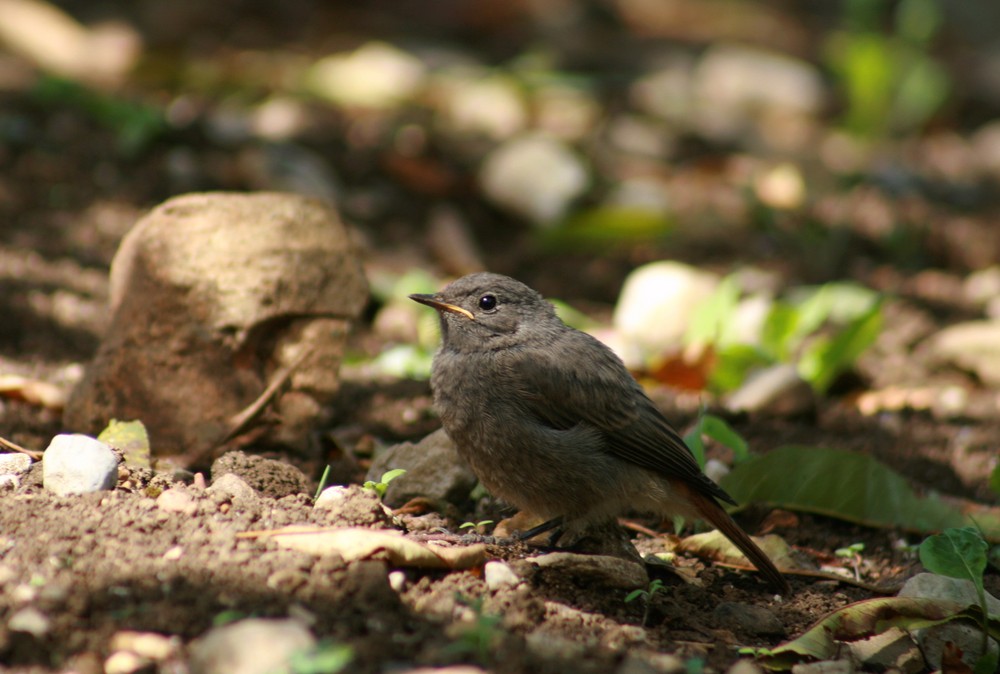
(100, 564)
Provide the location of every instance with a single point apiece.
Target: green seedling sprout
(961, 553)
(228, 616)
(646, 595)
(720, 431)
(694, 665)
(477, 639)
(383, 483)
(324, 658)
(322, 482)
(853, 553)
(478, 526)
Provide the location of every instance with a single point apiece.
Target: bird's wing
(570, 382)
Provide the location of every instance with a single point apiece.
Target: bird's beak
(435, 303)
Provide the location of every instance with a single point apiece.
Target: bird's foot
(555, 525)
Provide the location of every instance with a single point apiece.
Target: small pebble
(14, 464)
(31, 621)
(78, 464)
(499, 575)
(124, 662)
(177, 501)
(251, 646)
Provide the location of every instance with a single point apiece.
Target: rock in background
(212, 295)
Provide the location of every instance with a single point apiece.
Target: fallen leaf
(862, 620)
(853, 487)
(715, 546)
(355, 543)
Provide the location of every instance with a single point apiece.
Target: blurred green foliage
(716, 428)
(890, 82)
(822, 330)
(603, 226)
(137, 125)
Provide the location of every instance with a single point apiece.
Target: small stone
(376, 75)
(744, 667)
(355, 506)
(30, 621)
(9, 483)
(233, 487)
(124, 662)
(14, 464)
(174, 553)
(397, 580)
(177, 501)
(7, 574)
(973, 346)
(332, 497)
(552, 646)
(252, 646)
(598, 569)
(491, 106)
(643, 662)
(499, 575)
(624, 638)
(748, 619)
(78, 464)
(534, 176)
(270, 477)
(657, 303)
(150, 645)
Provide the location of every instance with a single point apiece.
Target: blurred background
(563, 142)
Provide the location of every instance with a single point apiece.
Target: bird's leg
(554, 523)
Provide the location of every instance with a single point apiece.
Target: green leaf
(720, 431)
(572, 317)
(862, 620)
(633, 595)
(391, 475)
(853, 487)
(693, 440)
(710, 319)
(607, 225)
(780, 333)
(404, 361)
(323, 659)
(956, 553)
(825, 359)
(995, 480)
(131, 438)
(733, 364)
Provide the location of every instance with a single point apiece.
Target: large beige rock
(211, 295)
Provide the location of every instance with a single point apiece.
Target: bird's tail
(713, 513)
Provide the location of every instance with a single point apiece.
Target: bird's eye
(488, 302)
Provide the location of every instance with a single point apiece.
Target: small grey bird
(551, 421)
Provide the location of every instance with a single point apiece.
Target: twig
(14, 447)
(241, 420)
(824, 575)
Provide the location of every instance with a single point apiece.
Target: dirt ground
(97, 565)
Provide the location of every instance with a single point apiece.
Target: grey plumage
(551, 421)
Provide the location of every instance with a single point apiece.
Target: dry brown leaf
(354, 543)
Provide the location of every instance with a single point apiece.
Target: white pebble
(499, 575)
(251, 646)
(78, 464)
(14, 464)
(534, 176)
